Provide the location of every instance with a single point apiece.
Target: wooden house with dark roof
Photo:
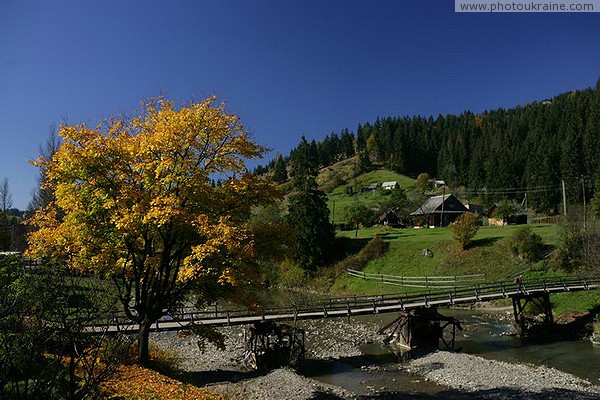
(389, 218)
(439, 211)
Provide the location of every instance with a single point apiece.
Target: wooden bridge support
(542, 303)
(422, 328)
(270, 345)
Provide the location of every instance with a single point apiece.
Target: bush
(373, 250)
(11, 267)
(527, 244)
(45, 351)
(569, 254)
(464, 229)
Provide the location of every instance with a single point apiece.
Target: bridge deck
(363, 305)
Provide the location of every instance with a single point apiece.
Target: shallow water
(488, 339)
(484, 336)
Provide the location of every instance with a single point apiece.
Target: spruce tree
(279, 170)
(308, 213)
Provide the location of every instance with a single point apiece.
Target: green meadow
(489, 255)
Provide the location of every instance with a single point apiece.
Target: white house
(390, 185)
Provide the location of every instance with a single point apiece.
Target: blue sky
(286, 67)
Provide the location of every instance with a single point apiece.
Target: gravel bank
(190, 358)
(497, 379)
(222, 372)
(281, 384)
(339, 339)
(464, 375)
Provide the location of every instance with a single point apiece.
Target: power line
(500, 191)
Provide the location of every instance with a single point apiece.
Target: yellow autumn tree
(134, 201)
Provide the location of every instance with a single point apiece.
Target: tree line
(503, 153)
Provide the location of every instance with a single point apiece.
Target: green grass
(489, 255)
(575, 301)
(339, 200)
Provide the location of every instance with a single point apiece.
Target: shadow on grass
(391, 235)
(344, 247)
(485, 242)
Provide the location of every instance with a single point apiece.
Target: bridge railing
(475, 292)
(399, 300)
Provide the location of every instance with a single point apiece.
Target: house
(390, 185)
(438, 183)
(389, 218)
(371, 188)
(439, 211)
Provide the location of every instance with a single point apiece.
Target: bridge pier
(270, 345)
(524, 324)
(423, 328)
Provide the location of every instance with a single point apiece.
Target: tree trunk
(143, 348)
(72, 370)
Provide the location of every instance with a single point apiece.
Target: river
(484, 335)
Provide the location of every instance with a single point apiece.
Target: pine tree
(279, 170)
(308, 213)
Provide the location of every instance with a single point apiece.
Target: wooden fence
(427, 282)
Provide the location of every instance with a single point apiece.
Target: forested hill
(504, 151)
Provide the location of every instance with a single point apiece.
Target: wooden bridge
(371, 304)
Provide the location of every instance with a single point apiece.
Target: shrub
(527, 244)
(373, 250)
(45, 351)
(464, 229)
(569, 253)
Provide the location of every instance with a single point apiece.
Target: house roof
(434, 206)
(390, 215)
(389, 184)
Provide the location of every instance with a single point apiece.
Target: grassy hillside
(339, 199)
(489, 255)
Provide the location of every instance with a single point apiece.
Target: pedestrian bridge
(336, 307)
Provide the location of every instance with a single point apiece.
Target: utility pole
(564, 197)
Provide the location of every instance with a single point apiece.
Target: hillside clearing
(339, 198)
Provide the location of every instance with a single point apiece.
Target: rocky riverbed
(455, 375)
(500, 380)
